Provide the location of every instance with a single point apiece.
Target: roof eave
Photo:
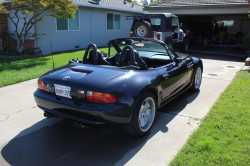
(195, 6)
(108, 7)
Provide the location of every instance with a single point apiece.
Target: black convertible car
(138, 77)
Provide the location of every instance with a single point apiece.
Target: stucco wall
(92, 30)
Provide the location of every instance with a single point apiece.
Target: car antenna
(52, 56)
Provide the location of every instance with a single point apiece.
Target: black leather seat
(101, 61)
(125, 58)
(138, 61)
(90, 59)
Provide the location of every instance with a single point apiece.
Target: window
(155, 21)
(113, 21)
(174, 21)
(68, 24)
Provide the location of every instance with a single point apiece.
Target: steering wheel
(132, 56)
(95, 57)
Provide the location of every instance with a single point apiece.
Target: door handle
(165, 75)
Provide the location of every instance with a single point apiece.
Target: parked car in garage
(125, 89)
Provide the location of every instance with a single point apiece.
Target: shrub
(247, 40)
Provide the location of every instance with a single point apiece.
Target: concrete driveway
(27, 138)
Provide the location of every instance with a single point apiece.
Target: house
(96, 21)
(207, 18)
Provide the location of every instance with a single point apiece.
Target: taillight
(97, 97)
(158, 36)
(41, 85)
(131, 34)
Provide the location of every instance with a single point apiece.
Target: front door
(173, 79)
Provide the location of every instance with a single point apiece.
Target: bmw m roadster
(126, 88)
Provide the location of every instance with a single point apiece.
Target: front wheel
(143, 116)
(197, 79)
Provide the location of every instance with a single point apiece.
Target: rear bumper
(118, 113)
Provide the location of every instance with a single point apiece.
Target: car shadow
(217, 57)
(61, 144)
(180, 102)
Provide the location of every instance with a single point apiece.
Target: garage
(221, 24)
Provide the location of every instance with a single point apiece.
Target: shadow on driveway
(61, 144)
(218, 57)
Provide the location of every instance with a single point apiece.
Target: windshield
(141, 45)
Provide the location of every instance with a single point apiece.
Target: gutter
(194, 7)
(108, 7)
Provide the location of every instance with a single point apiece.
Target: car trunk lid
(82, 76)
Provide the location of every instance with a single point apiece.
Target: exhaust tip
(79, 126)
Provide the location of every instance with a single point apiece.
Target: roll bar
(95, 58)
(132, 55)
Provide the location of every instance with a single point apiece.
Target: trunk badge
(66, 78)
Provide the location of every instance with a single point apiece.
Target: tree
(133, 1)
(156, 1)
(32, 11)
(249, 7)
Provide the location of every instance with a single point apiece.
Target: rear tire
(143, 116)
(143, 29)
(197, 79)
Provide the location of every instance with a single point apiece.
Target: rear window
(155, 21)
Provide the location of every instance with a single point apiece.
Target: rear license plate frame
(63, 91)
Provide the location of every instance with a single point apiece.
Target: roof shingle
(175, 3)
(112, 3)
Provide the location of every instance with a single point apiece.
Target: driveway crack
(7, 116)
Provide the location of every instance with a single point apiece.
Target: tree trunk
(18, 44)
(21, 49)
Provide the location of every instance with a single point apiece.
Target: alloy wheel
(146, 114)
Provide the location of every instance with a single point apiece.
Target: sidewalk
(222, 50)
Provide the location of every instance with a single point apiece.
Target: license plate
(63, 91)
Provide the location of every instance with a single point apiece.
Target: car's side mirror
(104, 54)
(178, 60)
(180, 25)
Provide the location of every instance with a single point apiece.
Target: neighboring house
(96, 21)
(207, 17)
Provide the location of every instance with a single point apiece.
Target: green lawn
(223, 137)
(17, 70)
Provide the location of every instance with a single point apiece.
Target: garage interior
(217, 30)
